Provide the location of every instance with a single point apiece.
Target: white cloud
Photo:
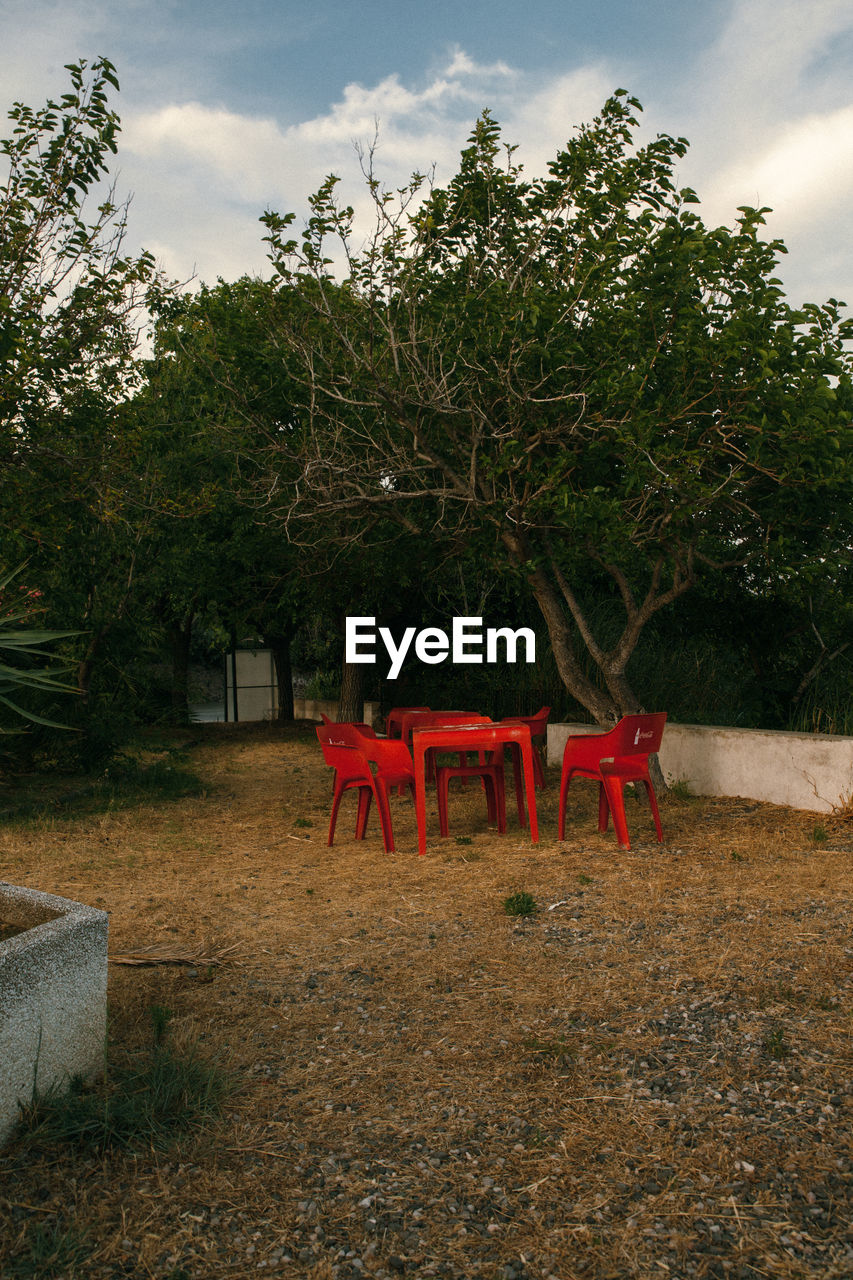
(804, 174)
(761, 71)
(237, 151)
(461, 64)
(767, 108)
(198, 156)
(771, 124)
(543, 119)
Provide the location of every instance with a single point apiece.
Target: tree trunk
(620, 699)
(279, 645)
(86, 665)
(351, 709)
(180, 635)
(595, 700)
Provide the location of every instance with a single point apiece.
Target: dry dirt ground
(651, 1076)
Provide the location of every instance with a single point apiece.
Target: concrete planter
(812, 771)
(53, 995)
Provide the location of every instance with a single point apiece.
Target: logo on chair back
(639, 734)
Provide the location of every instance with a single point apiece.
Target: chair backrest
(445, 719)
(637, 735)
(357, 747)
(346, 757)
(538, 724)
(353, 734)
(390, 755)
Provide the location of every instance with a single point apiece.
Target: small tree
(574, 376)
(68, 295)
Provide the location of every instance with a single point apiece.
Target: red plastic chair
(538, 726)
(350, 753)
(392, 720)
(492, 775)
(366, 730)
(614, 758)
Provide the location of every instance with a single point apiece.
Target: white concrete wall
(311, 709)
(812, 771)
(53, 996)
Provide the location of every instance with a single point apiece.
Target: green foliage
(124, 783)
(520, 903)
(556, 1053)
(69, 303)
(50, 1251)
(160, 1019)
(65, 288)
(774, 1044)
(632, 401)
(150, 1100)
(680, 789)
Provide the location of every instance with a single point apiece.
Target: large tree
(572, 374)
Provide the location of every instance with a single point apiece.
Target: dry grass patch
(648, 1075)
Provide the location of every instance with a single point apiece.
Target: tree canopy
(574, 374)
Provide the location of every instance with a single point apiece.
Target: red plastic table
(417, 718)
(471, 737)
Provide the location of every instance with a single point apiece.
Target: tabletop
(402, 722)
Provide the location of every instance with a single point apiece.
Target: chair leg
(364, 798)
(500, 802)
(336, 804)
(442, 783)
(565, 779)
(653, 804)
(518, 778)
(616, 800)
(495, 800)
(603, 807)
(538, 771)
(384, 808)
(490, 791)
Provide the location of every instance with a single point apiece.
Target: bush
(520, 904)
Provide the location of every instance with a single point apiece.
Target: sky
(228, 109)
